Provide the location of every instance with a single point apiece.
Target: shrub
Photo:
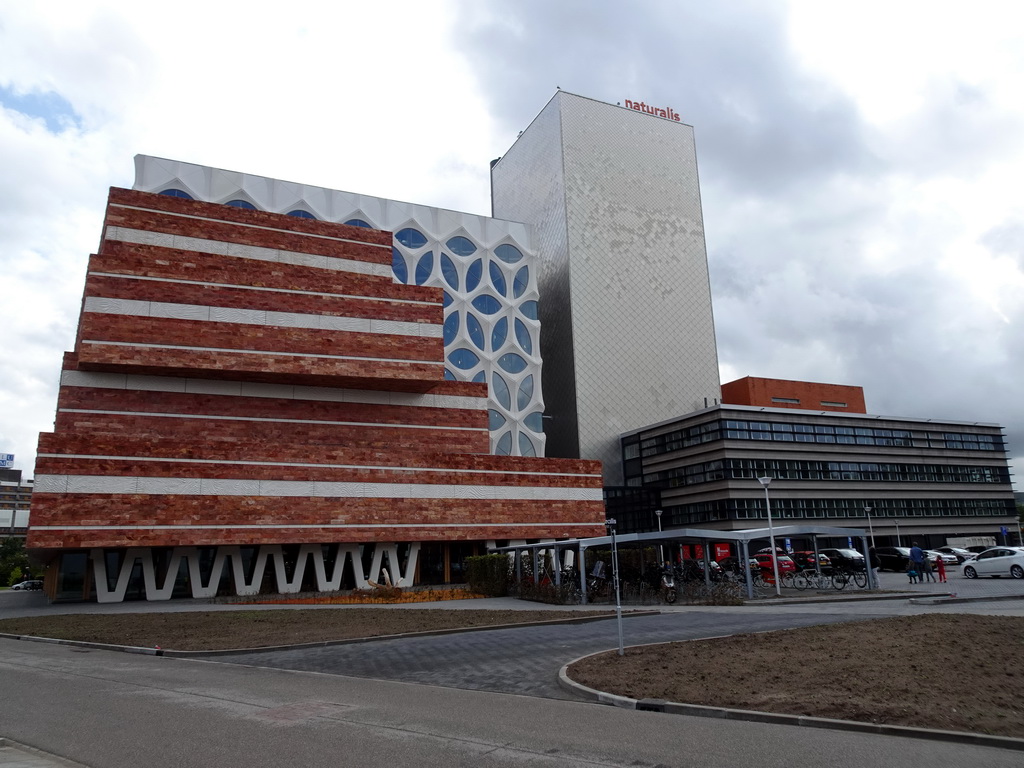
(489, 574)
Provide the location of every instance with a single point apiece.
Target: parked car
(848, 559)
(805, 560)
(30, 584)
(947, 559)
(893, 558)
(996, 562)
(764, 560)
(958, 552)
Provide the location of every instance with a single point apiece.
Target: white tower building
(628, 336)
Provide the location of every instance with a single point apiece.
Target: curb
(952, 598)
(772, 718)
(318, 644)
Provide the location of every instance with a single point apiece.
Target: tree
(13, 561)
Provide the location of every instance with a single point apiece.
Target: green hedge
(489, 574)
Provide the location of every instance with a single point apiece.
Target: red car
(786, 563)
(805, 560)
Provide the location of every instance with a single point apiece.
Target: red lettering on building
(664, 112)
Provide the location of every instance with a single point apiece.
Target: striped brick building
(253, 402)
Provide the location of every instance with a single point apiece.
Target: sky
(860, 164)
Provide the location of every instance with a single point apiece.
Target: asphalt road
(482, 699)
(111, 710)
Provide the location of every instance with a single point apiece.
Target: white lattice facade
(485, 266)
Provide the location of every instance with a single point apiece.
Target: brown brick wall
(810, 396)
(148, 433)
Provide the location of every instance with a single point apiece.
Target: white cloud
(860, 165)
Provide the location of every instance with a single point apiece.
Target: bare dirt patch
(960, 673)
(219, 630)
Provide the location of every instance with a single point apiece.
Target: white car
(997, 561)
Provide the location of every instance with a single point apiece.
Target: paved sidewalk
(14, 755)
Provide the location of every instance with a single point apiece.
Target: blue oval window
(487, 304)
(508, 253)
(298, 213)
(475, 330)
(241, 204)
(529, 309)
(473, 275)
(451, 274)
(447, 300)
(525, 392)
(499, 334)
(177, 193)
(398, 266)
(451, 328)
(535, 421)
(449, 376)
(425, 267)
(526, 446)
(512, 362)
(523, 337)
(497, 279)
(480, 378)
(494, 420)
(411, 238)
(358, 223)
(461, 246)
(521, 282)
(463, 359)
(501, 393)
(504, 446)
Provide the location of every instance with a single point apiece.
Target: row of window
(731, 429)
(450, 273)
(749, 469)
(689, 515)
(413, 239)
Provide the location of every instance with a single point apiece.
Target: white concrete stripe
(207, 284)
(254, 252)
(246, 226)
(328, 526)
(138, 345)
(206, 313)
(134, 382)
(307, 465)
(206, 417)
(113, 484)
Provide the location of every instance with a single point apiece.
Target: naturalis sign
(666, 113)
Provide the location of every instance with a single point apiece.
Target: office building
(902, 478)
(15, 500)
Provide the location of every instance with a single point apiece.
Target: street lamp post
(661, 550)
(871, 531)
(610, 523)
(898, 542)
(765, 482)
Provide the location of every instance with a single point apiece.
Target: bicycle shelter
(703, 536)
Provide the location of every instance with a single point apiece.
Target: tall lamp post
(610, 525)
(898, 542)
(661, 550)
(766, 481)
(867, 511)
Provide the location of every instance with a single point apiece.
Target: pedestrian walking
(926, 571)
